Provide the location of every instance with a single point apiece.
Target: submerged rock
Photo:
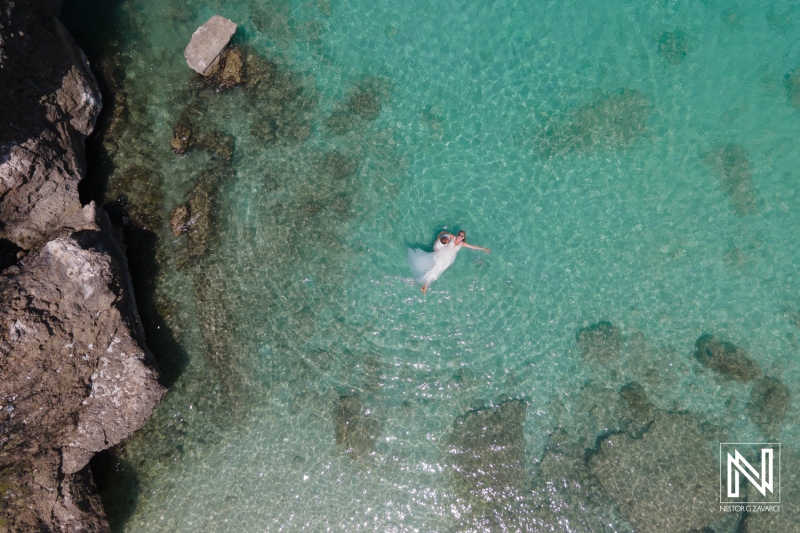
(769, 401)
(600, 341)
(199, 224)
(789, 515)
(261, 73)
(182, 140)
(609, 121)
(732, 165)
(364, 103)
(357, 429)
(231, 72)
(641, 412)
(207, 43)
(666, 481)
(564, 495)
(338, 166)
(340, 122)
(726, 359)
(487, 451)
(792, 82)
(178, 220)
(673, 46)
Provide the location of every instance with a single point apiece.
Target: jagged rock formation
(75, 375)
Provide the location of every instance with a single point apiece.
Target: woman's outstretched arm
(467, 245)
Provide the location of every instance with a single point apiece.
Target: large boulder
(77, 377)
(207, 43)
(53, 107)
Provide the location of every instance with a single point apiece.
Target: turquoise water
(584, 143)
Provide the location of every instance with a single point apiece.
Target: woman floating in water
(428, 266)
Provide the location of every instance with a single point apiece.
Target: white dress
(428, 266)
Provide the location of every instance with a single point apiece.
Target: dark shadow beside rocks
(140, 240)
(9, 254)
(118, 484)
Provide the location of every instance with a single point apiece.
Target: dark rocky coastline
(75, 374)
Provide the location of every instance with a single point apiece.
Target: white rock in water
(207, 43)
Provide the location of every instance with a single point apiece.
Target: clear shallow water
(571, 139)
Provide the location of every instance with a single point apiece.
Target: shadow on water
(118, 484)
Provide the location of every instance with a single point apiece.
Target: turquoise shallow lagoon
(627, 162)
